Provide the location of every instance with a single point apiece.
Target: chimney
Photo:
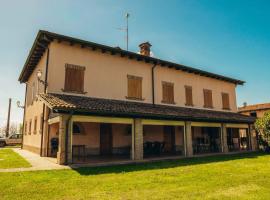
(145, 48)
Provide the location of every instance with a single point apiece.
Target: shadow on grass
(165, 164)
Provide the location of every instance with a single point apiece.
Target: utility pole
(8, 119)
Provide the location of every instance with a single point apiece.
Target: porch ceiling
(80, 105)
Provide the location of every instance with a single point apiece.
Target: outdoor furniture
(54, 146)
(153, 148)
(78, 152)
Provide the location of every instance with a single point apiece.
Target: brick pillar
(224, 138)
(188, 139)
(44, 151)
(137, 140)
(62, 140)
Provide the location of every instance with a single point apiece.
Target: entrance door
(169, 138)
(105, 139)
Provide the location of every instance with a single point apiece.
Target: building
(255, 110)
(87, 102)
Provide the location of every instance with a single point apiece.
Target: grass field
(10, 159)
(242, 176)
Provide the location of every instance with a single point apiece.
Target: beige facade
(106, 77)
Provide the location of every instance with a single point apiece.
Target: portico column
(137, 140)
(224, 138)
(188, 136)
(253, 138)
(61, 154)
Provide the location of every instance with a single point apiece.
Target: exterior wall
(260, 113)
(34, 109)
(100, 83)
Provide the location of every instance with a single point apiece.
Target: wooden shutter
(30, 127)
(74, 78)
(134, 87)
(225, 101)
(189, 99)
(167, 92)
(35, 125)
(208, 101)
(25, 128)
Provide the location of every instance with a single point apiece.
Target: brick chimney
(145, 48)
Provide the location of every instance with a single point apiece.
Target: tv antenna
(126, 29)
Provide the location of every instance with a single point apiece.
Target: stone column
(224, 138)
(188, 139)
(61, 154)
(137, 140)
(70, 136)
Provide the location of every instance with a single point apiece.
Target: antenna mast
(127, 16)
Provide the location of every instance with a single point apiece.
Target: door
(169, 138)
(105, 139)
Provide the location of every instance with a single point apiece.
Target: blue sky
(229, 37)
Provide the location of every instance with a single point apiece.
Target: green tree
(262, 126)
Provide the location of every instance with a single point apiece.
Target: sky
(228, 37)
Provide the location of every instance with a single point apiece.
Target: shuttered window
(30, 127)
(74, 78)
(41, 123)
(167, 92)
(35, 125)
(225, 101)
(25, 128)
(208, 101)
(134, 87)
(189, 99)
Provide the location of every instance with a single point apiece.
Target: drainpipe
(23, 128)
(153, 83)
(66, 141)
(45, 89)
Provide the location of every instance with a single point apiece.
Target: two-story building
(87, 102)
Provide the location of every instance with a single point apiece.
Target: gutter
(43, 110)
(153, 84)
(23, 128)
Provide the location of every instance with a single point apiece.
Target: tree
(262, 126)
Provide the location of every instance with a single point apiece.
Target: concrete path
(37, 162)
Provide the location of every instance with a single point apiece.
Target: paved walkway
(37, 162)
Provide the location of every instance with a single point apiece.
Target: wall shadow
(165, 164)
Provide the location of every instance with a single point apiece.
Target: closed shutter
(208, 101)
(225, 101)
(167, 92)
(134, 87)
(189, 99)
(74, 78)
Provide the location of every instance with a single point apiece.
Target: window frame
(169, 100)
(67, 88)
(30, 127)
(138, 78)
(205, 100)
(187, 87)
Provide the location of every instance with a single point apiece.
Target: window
(134, 87)
(35, 125)
(30, 124)
(74, 78)
(77, 129)
(167, 92)
(189, 100)
(25, 128)
(225, 101)
(208, 101)
(253, 114)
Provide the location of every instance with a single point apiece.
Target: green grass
(243, 176)
(10, 159)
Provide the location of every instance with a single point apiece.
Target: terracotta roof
(262, 106)
(44, 38)
(106, 107)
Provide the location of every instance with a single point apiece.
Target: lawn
(242, 176)
(10, 159)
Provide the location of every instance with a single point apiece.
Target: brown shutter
(167, 92)
(74, 78)
(208, 101)
(189, 99)
(225, 101)
(134, 87)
